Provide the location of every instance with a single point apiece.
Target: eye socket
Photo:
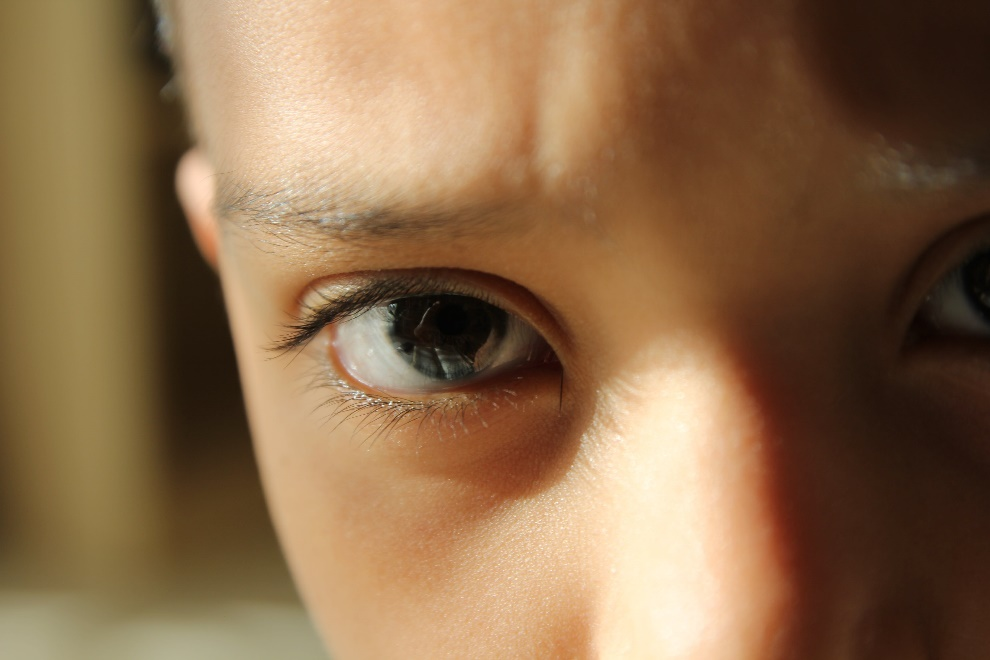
(423, 344)
(416, 356)
(959, 304)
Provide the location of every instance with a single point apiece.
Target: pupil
(446, 337)
(976, 279)
(452, 319)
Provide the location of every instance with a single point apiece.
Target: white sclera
(365, 350)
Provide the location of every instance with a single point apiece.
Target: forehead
(420, 95)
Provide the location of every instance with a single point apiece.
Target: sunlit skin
(760, 437)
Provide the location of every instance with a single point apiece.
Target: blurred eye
(431, 343)
(960, 303)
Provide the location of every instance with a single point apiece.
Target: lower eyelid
(453, 428)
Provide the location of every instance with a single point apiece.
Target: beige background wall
(132, 524)
(124, 456)
(81, 435)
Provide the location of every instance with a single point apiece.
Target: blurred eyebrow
(909, 167)
(318, 210)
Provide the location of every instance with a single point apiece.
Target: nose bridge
(700, 565)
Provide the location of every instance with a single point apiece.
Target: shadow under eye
(511, 437)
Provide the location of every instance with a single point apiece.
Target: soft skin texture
(725, 217)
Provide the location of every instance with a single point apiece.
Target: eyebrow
(909, 167)
(320, 210)
(311, 209)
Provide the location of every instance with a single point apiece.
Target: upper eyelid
(366, 293)
(313, 318)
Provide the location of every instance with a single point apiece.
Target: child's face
(611, 327)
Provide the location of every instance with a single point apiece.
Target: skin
(725, 218)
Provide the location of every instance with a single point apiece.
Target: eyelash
(352, 305)
(387, 414)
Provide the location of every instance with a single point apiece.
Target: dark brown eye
(976, 280)
(447, 337)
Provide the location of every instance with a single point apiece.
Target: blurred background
(132, 523)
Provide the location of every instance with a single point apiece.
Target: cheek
(443, 525)
(456, 554)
